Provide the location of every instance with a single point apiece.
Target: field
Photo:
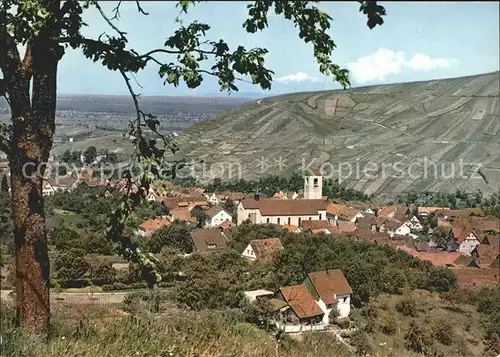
(449, 126)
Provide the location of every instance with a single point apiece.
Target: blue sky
(418, 41)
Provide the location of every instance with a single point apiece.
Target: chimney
(257, 195)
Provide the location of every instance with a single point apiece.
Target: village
(465, 241)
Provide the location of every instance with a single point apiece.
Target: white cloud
(297, 77)
(385, 62)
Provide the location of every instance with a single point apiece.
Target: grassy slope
(443, 120)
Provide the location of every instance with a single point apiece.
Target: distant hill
(159, 105)
(441, 121)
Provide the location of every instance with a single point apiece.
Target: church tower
(313, 187)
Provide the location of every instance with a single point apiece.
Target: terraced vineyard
(411, 136)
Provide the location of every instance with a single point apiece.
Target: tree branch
(110, 22)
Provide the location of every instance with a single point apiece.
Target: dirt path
(77, 298)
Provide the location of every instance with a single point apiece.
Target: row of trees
(89, 156)
(457, 200)
(271, 184)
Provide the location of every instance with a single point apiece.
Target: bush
(416, 339)
(344, 323)
(360, 341)
(102, 274)
(333, 316)
(407, 306)
(388, 326)
(442, 331)
(138, 302)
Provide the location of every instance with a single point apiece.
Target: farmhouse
(301, 312)
(330, 290)
(216, 215)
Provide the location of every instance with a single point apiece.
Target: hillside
(442, 121)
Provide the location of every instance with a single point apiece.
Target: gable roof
(226, 225)
(341, 210)
(429, 210)
(301, 301)
(182, 214)
(461, 233)
(487, 255)
(394, 211)
(273, 207)
(314, 224)
(343, 227)
(203, 238)
(438, 258)
(212, 211)
(265, 248)
(329, 283)
(153, 224)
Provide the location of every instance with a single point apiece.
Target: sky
(418, 41)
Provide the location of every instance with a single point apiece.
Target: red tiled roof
(437, 258)
(265, 248)
(341, 210)
(301, 301)
(474, 277)
(487, 255)
(182, 214)
(329, 283)
(153, 224)
(270, 207)
(226, 225)
(314, 224)
(429, 210)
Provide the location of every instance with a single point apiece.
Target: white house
(395, 228)
(47, 189)
(414, 224)
(330, 290)
(286, 212)
(465, 240)
(215, 198)
(216, 215)
(262, 249)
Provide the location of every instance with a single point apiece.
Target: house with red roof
(299, 311)
(330, 290)
(262, 249)
(148, 227)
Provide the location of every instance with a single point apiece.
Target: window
(309, 218)
(267, 220)
(278, 220)
(300, 220)
(315, 182)
(289, 220)
(320, 216)
(344, 300)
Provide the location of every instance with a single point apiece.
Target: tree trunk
(33, 124)
(32, 261)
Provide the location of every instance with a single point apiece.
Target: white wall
(468, 245)
(294, 220)
(344, 307)
(219, 218)
(249, 253)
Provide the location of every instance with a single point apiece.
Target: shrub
(102, 274)
(333, 316)
(344, 323)
(442, 331)
(407, 306)
(416, 339)
(388, 326)
(360, 341)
